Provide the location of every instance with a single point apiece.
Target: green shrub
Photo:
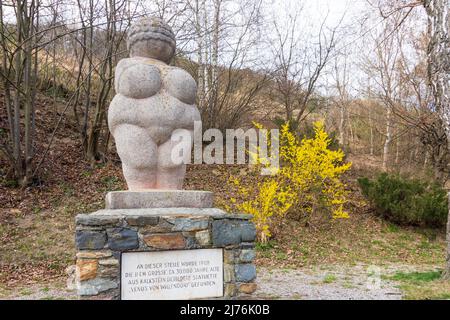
(406, 202)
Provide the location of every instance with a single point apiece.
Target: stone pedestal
(104, 236)
(158, 199)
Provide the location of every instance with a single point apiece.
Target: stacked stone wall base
(103, 236)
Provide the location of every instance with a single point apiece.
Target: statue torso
(153, 95)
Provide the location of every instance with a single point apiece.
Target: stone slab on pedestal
(159, 199)
(169, 275)
(104, 238)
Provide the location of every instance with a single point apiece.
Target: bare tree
(225, 32)
(435, 133)
(342, 99)
(97, 48)
(298, 65)
(382, 70)
(112, 40)
(19, 45)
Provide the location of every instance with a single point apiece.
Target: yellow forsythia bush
(309, 177)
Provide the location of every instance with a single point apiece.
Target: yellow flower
(310, 174)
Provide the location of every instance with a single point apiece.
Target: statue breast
(180, 84)
(137, 80)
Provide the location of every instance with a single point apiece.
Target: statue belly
(159, 114)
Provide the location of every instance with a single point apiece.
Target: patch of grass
(429, 234)
(427, 285)
(329, 278)
(281, 256)
(68, 189)
(417, 276)
(377, 242)
(25, 292)
(111, 183)
(405, 237)
(36, 210)
(392, 228)
(348, 285)
(99, 165)
(444, 296)
(86, 174)
(425, 244)
(265, 246)
(10, 183)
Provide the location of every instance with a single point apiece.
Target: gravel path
(358, 282)
(355, 283)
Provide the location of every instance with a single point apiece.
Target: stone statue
(153, 102)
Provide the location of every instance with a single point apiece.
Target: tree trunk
(28, 85)
(342, 126)
(215, 48)
(397, 146)
(438, 74)
(371, 131)
(90, 56)
(387, 142)
(350, 126)
(200, 60)
(206, 67)
(18, 71)
(447, 270)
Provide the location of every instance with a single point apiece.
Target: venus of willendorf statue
(153, 101)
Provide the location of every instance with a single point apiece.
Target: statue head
(151, 38)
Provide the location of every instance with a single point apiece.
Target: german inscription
(172, 275)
